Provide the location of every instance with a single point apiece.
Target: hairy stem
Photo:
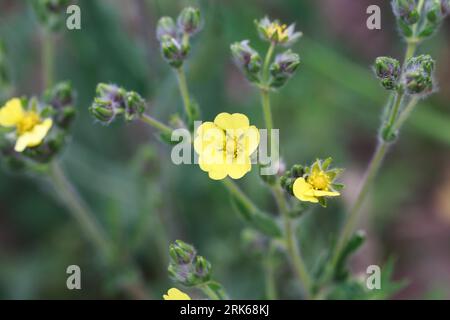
(182, 85)
(298, 265)
(87, 221)
(156, 124)
(270, 281)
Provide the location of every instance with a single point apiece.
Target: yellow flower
(225, 146)
(277, 31)
(316, 184)
(175, 294)
(30, 128)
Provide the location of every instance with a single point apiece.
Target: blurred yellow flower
(318, 183)
(30, 128)
(225, 146)
(175, 294)
(277, 32)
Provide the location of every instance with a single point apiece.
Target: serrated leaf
(352, 245)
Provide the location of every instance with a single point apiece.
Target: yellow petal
(34, 137)
(304, 191)
(231, 121)
(175, 294)
(251, 140)
(11, 113)
(208, 136)
(239, 167)
(321, 193)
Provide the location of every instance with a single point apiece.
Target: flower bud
(181, 252)
(189, 21)
(186, 267)
(108, 103)
(406, 11)
(166, 27)
(435, 12)
(134, 106)
(202, 268)
(418, 75)
(174, 51)
(51, 13)
(388, 71)
(247, 59)
(61, 98)
(283, 68)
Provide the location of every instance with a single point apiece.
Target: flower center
(279, 30)
(27, 123)
(319, 181)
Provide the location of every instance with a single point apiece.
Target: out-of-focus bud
(108, 103)
(247, 59)
(174, 51)
(189, 21)
(418, 75)
(288, 178)
(406, 10)
(186, 267)
(275, 32)
(283, 68)
(388, 71)
(435, 12)
(51, 13)
(166, 27)
(134, 106)
(61, 98)
(181, 252)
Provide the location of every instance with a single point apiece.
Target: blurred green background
(331, 107)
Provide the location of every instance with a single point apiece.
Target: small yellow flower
(225, 146)
(317, 183)
(276, 32)
(175, 294)
(30, 128)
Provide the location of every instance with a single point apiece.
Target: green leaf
(353, 244)
(267, 225)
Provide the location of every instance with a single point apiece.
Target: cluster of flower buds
(284, 66)
(247, 59)
(56, 104)
(51, 13)
(174, 37)
(112, 101)
(388, 70)
(289, 177)
(186, 267)
(425, 19)
(418, 75)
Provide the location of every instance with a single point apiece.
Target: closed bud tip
(388, 71)
(283, 68)
(247, 59)
(189, 21)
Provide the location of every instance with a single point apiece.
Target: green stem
(298, 265)
(352, 219)
(265, 98)
(267, 61)
(394, 110)
(239, 194)
(182, 85)
(85, 218)
(406, 112)
(48, 57)
(156, 124)
(209, 292)
(270, 281)
(79, 209)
